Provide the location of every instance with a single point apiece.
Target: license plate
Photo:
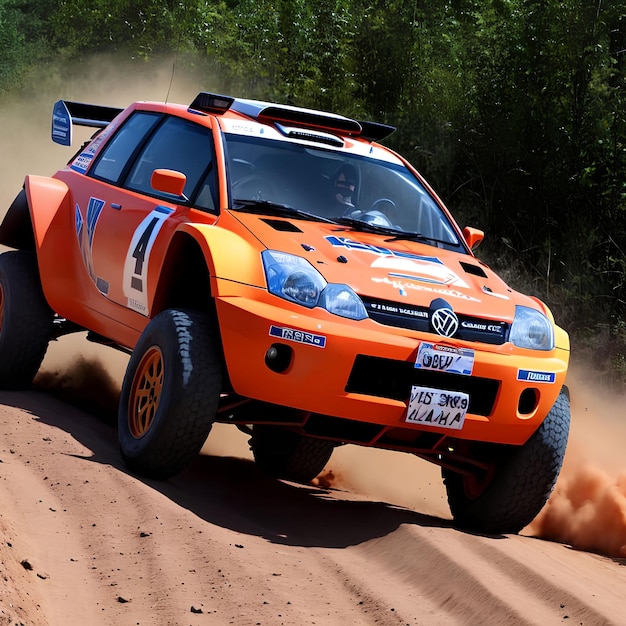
(435, 407)
(443, 358)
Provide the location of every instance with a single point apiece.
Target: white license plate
(435, 407)
(442, 358)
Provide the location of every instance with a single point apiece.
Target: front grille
(386, 378)
(417, 318)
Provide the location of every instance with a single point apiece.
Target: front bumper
(363, 371)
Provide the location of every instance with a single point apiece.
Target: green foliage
(514, 109)
(23, 38)
(143, 27)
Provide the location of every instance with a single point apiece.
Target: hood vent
(282, 225)
(473, 269)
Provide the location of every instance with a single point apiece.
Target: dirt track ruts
(222, 544)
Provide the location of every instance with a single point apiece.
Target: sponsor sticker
(82, 162)
(299, 336)
(397, 309)
(85, 231)
(61, 124)
(351, 244)
(533, 376)
(404, 286)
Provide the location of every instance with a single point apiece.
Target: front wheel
(517, 482)
(25, 320)
(284, 454)
(170, 393)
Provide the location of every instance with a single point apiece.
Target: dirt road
(84, 542)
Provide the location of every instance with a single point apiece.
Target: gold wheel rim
(146, 392)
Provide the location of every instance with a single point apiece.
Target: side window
(119, 150)
(183, 146)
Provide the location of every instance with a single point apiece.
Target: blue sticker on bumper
(532, 376)
(299, 336)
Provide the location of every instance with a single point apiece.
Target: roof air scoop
(211, 103)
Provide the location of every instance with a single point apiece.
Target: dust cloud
(27, 147)
(588, 507)
(587, 511)
(84, 383)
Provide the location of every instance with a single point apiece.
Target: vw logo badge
(444, 322)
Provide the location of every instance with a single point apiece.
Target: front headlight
(295, 279)
(341, 300)
(532, 329)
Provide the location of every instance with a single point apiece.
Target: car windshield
(355, 191)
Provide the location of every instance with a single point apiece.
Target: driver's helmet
(346, 177)
(376, 218)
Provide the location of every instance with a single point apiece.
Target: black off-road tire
(25, 320)
(284, 454)
(170, 393)
(520, 481)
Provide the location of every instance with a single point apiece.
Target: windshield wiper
(419, 237)
(393, 233)
(266, 207)
(368, 227)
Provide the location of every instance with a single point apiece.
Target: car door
(126, 224)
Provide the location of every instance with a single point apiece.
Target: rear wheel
(285, 454)
(517, 482)
(25, 320)
(170, 393)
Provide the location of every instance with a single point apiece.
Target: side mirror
(473, 236)
(169, 181)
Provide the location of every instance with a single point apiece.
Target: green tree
(514, 109)
(24, 37)
(539, 114)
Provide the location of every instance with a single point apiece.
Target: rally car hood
(382, 268)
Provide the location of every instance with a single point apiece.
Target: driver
(344, 188)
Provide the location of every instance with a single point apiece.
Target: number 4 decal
(136, 264)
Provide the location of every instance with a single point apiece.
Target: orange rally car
(278, 269)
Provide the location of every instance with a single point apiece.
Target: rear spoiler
(66, 114)
(282, 114)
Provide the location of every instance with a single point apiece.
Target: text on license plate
(434, 407)
(445, 359)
